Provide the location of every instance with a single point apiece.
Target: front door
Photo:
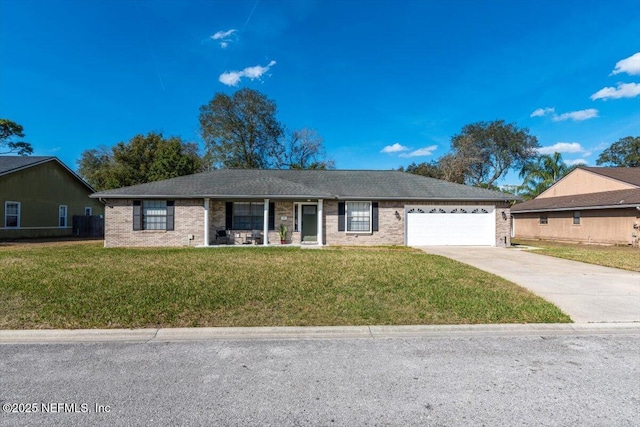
(309, 223)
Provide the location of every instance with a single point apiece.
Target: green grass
(623, 257)
(77, 285)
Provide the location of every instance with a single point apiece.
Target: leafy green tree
(430, 169)
(241, 131)
(145, 158)
(623, 153)
(484, 152)
(541, 173)
(8, 131)
(304, 150)
(448, 168)
(97, 167)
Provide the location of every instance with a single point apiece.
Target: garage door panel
(451, 225)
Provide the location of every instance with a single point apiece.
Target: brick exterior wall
(118, 227)
(189, 219)
(391, 229)
(503, 226)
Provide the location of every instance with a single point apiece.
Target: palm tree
(541, 173)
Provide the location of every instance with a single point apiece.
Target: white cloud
(421, 152)
(221, 35)
(630, 65)
(232, 78)
(577, 116)
(562, 147)
(540, 112)
(224, 37)
(624, 90)
(257, 71)
(395, 148)
(575, 162)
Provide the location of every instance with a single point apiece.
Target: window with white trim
(62, 216)
(87, 211)
(249, 216)
(154, 214)
(544, 219)
(12, 214)
(358, 217)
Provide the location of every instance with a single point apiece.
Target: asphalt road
(467, 380)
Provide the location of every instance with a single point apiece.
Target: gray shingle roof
(292, 184)
(618, 198)
(9, 164)
(628, 175)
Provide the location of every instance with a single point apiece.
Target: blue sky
(385, 83)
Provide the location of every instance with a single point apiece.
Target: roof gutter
(294, 197)
(577, 208)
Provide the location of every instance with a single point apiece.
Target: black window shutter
(228, 216)
(374, 216)
(341, 216)
(137, 215)
(170, 214)
(272, 216)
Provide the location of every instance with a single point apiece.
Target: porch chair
(222, 237)
(255, 237)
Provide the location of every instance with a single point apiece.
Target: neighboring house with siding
(39, 196)
(318, 207)
(590, 204)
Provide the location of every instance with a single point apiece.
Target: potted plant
(283, 234)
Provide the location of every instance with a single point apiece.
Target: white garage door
(451, 225)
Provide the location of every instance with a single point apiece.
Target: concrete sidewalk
(586, 292)
(163, 335)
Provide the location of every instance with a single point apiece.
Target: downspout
(320, 231)
(206, 221)
(265, 223)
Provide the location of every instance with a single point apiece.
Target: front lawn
(624, 257)
(76, 285)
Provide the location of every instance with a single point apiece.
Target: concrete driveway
(586, 292)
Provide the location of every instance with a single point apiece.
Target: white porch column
(320, 231)
(265, 223)
(206, 221)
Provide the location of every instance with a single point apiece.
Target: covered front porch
(261, 222)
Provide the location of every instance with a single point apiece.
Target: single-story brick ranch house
(319, 207)
(590, 204)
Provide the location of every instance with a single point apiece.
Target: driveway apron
(587, 293)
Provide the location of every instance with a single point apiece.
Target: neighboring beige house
(39, 197)
(318, 207)
(590, 204)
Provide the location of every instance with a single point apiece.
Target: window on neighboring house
(358, 216)
(12, 214)
(576, 218)
(544, 219)
(250, 216)
(153, 215)
(87, 211)
(62, 216)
